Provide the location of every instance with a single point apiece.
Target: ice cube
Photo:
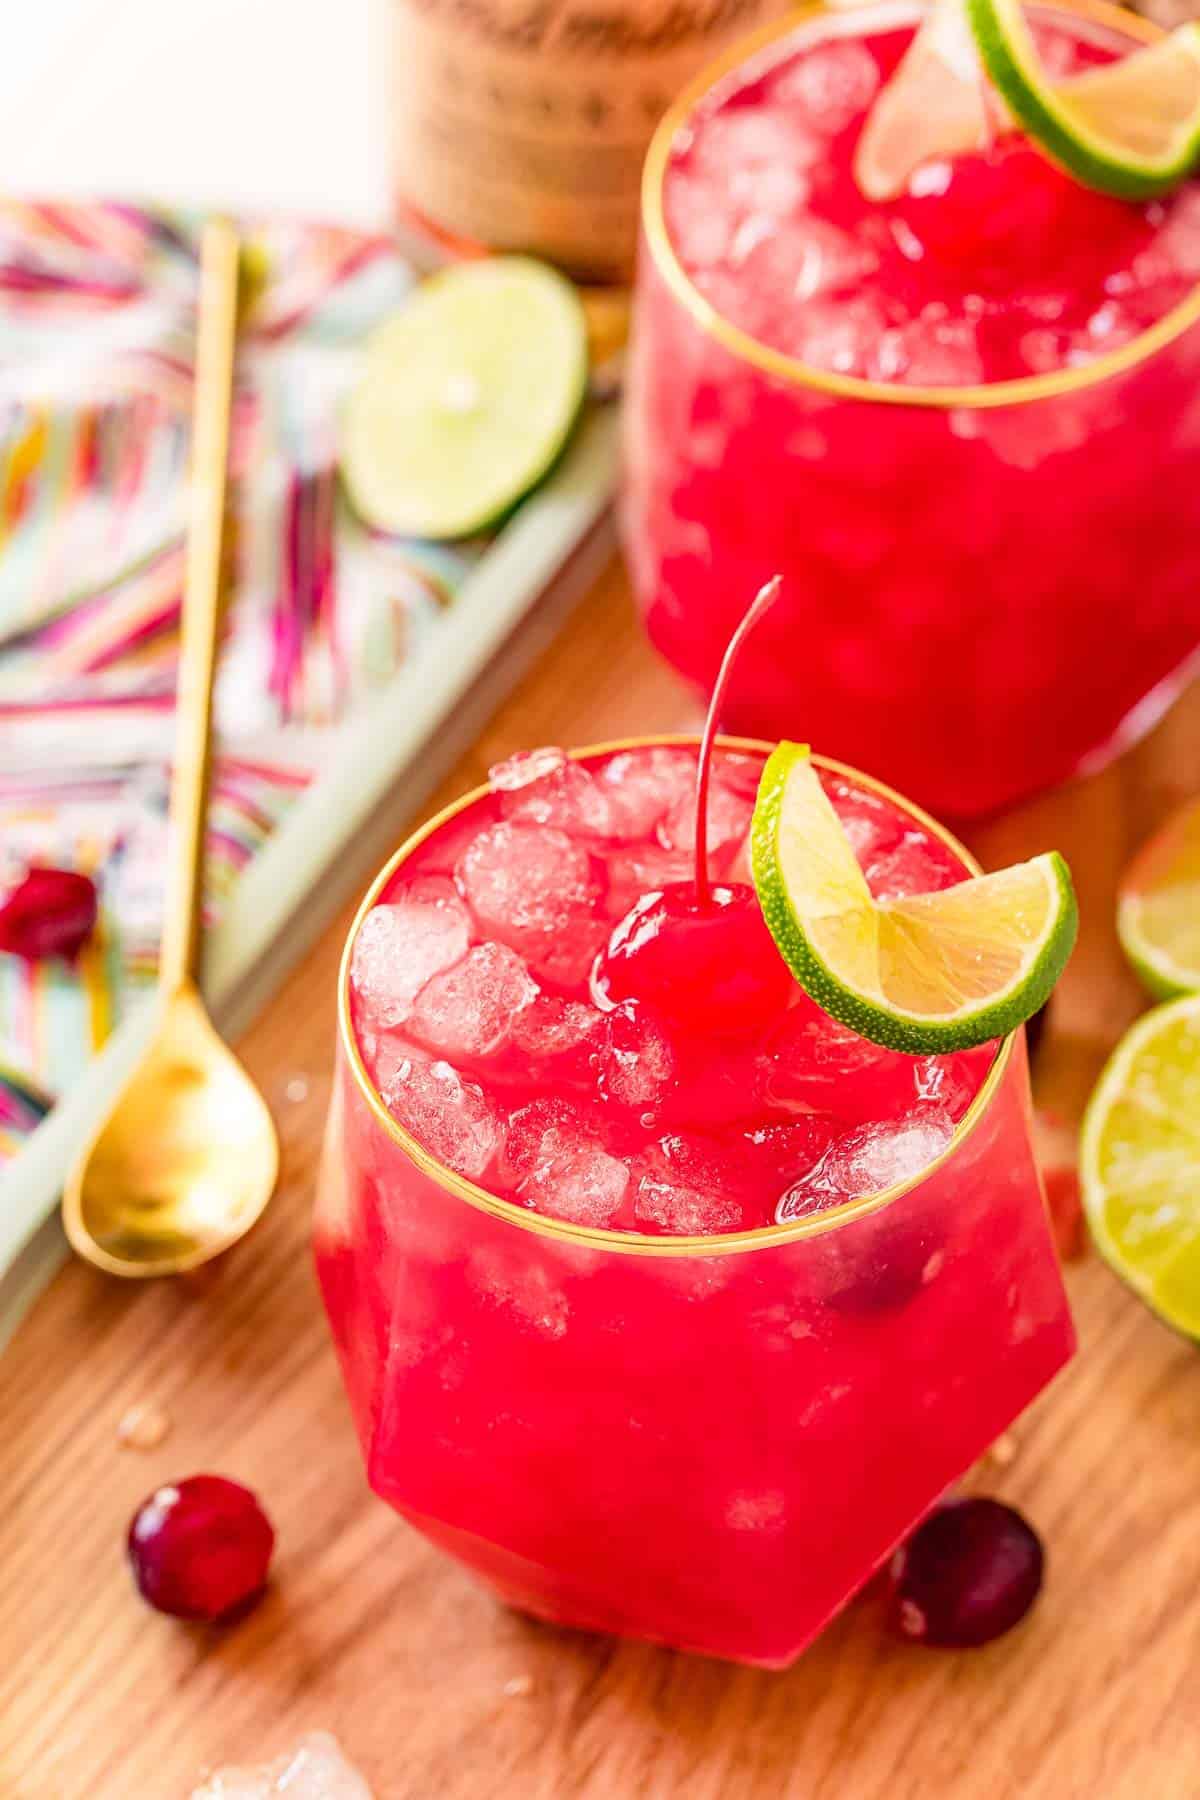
(564, 1169)
(565, 957)
(647, 870)
(315, 1770)
(952, 1082)
(742, 137)
(778, 1155)
(869, 823)
(689, 1188)
(699, 227)
(869, 1159)
(643, 785)
(1058, 52)
(450, 1117)
(553, 1027)
(800, 259)
(510, 1281)
(767, 191)
(817, 1065)
(566, 796)
(636, 1064)
(916, 865)
(842, 336)
(525, 768)
(1044, 350)
(401, 945)
(526, 879)
(1110, 326)
(1176, 249)
(383, 1053)
(933, 353)
(728, 818)
(832, 84)
(470, 1009)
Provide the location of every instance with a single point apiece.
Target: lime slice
(935, 104)
(925, 973)
(1140, 1161)
(1158, 907)
(1131, 128)
(466, 398)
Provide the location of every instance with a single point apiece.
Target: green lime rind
(1139, 1162)
(1158, 907)
(1047, 112)
(864, 1012)
(466, 399)
(1158, 981)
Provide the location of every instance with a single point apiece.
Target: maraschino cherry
(700, 956)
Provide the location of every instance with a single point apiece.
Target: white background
(252, 103)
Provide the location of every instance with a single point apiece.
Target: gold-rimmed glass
(986, 589)
(708, 1442)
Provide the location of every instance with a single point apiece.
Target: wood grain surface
(436, 1692)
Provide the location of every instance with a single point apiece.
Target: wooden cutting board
(437, 1693)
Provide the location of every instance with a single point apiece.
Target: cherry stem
(761, 604)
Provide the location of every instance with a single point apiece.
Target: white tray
(388, 760)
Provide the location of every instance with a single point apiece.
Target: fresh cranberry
(708, 965)
(200, 1548)
(52, 912)
(967, 1575)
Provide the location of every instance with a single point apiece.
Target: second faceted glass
(962, 425)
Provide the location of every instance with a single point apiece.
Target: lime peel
(921, 973)
(1158, 908)
(1140, 1162)
(1129, 128)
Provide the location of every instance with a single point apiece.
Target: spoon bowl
(184, 1163)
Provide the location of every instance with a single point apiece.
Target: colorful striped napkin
(97, 312)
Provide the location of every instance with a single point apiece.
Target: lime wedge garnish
(1158, 907)
(1140, 1161)
(1130, 128)
(935, 104)
(465, 399)
(928, 972)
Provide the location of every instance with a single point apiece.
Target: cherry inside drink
(663, 1301)
(961, 423)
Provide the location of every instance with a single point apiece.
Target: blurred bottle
(522, 124)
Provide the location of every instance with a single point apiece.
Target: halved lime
(465, 399)
(1158, 907)
(1140, 1161)
(928, 972)
(1130, 128)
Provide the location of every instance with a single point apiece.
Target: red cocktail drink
(962, 424)
(666, 1320)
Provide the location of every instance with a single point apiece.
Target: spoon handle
(215, 338)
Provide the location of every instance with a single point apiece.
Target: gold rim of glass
(748, 349)
(634, 1243)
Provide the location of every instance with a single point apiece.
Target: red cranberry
(52, 912)
(707, 965)
(200, 1548)
(967, 1575)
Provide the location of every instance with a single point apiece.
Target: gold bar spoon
(188, 1157)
